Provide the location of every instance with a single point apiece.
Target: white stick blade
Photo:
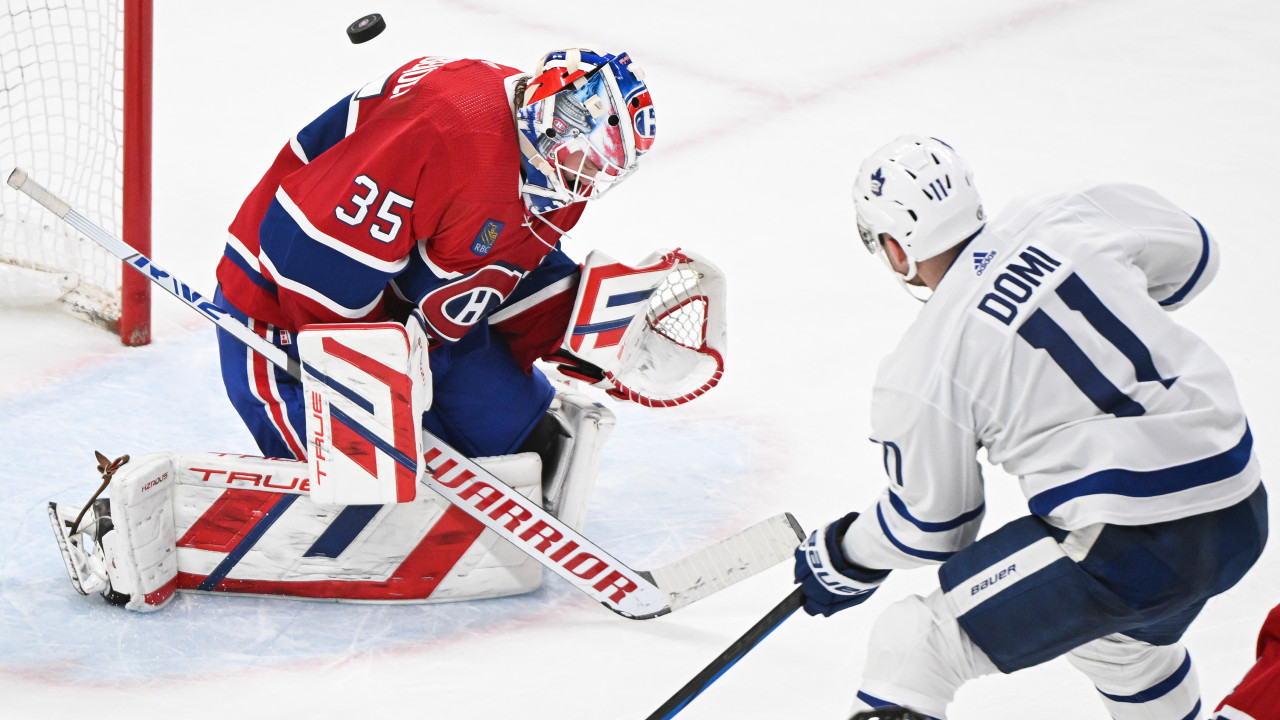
(729, 561)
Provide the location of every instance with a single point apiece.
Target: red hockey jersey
(406, 190)
(1257, 697)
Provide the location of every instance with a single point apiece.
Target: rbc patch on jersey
(487, 236)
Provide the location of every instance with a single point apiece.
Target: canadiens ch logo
(487, 236)
(646, 122)
(877, 182)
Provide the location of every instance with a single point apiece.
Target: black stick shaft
(730, 656)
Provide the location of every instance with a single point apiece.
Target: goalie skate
(82, 548)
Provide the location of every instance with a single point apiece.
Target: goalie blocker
(209, 522)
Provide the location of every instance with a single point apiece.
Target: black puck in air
(366, 28)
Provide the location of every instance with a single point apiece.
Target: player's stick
(631, 593)
(730, 656)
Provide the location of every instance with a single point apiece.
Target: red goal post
(75, 107)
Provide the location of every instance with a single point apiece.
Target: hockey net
(63, 103)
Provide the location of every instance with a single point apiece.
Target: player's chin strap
(656, 332)
(919, 292)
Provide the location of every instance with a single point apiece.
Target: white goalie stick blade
(735, 558)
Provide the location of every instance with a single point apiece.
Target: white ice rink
(766, 109)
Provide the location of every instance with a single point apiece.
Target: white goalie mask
(585, 119)
(918, 191)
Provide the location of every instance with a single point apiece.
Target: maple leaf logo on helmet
(877, 182)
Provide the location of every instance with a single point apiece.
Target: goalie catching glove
(654, 334)
(831, 583)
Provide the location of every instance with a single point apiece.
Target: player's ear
(897, 256)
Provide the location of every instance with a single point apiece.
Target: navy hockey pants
(1147, 582)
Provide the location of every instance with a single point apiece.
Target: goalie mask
(584, 121)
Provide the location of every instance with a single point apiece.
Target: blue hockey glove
(831, 583)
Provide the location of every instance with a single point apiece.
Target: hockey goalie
(353, 521)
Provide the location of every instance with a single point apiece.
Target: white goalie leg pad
(569, 472)
(139, 550)
(365, 388)
(493, 567)
(248, 525)
(242, 524)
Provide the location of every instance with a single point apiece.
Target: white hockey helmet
(920, 192)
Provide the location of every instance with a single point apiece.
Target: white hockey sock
(1140, 681)
(918, 656)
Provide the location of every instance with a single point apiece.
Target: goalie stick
(635, 594)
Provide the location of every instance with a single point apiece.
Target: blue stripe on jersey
(342, 531)
(553, 268)
(246, 543)
(300, 258)
(1149, 483)
(416, 279)
(1195, 275)
(325, 131)
(254, 276)
(923, 554)
(934, 527)
(896, 473)
(1157, 691)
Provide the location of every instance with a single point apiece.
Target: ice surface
(766, 109)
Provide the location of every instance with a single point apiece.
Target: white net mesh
(678, 355)
(678, 308)
(61, 119)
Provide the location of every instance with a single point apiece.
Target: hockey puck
(366, 28)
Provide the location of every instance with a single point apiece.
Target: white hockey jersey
(1048, 344)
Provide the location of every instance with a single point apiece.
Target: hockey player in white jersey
(1046, 341)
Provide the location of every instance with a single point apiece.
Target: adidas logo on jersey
(981, 260)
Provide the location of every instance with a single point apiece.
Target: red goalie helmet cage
(75, 110)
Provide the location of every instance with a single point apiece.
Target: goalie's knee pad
(569, 441)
